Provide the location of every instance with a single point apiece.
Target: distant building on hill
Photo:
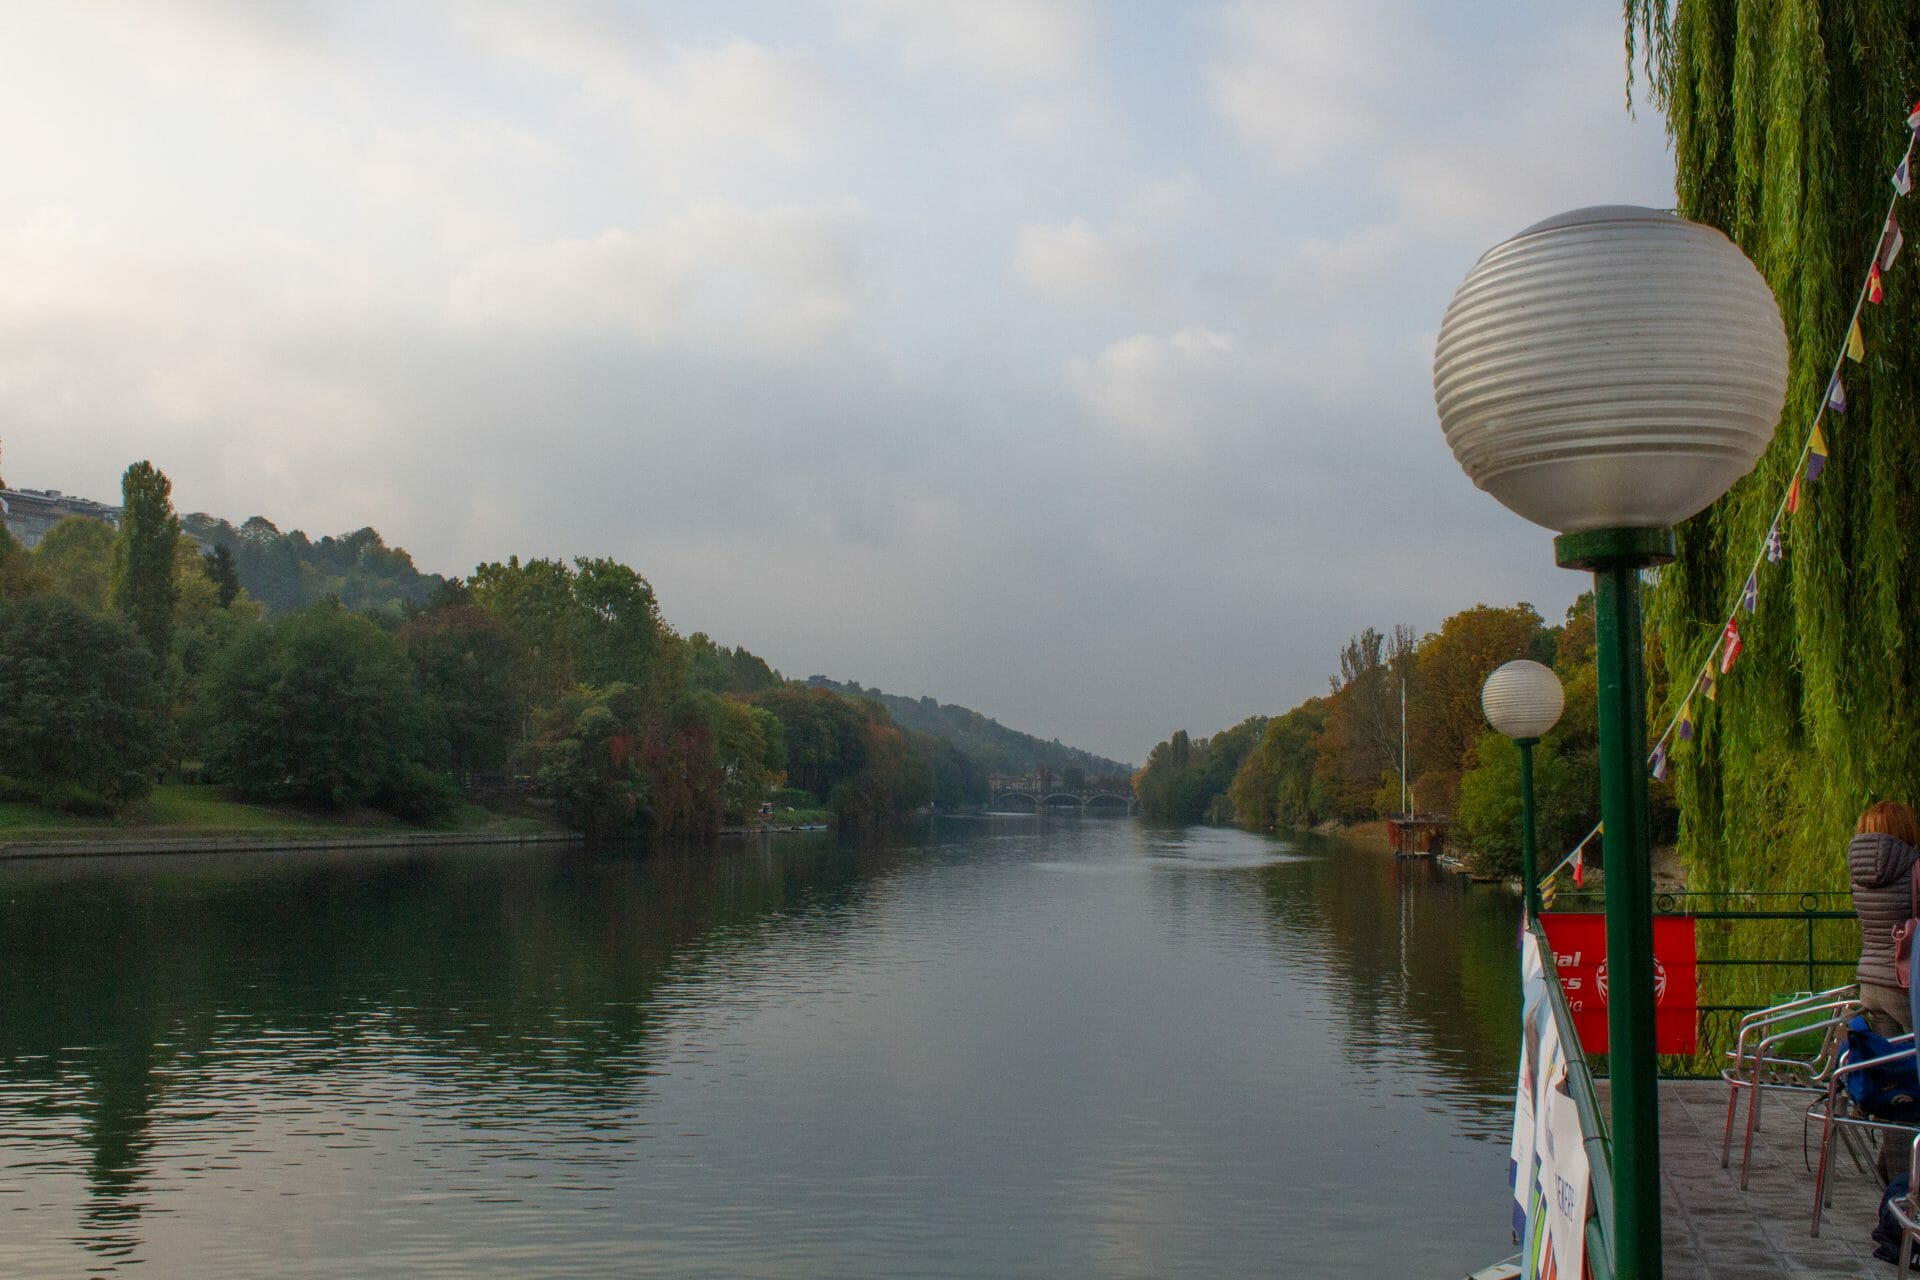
(29, 513)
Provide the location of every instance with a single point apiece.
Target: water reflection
(1005, 1047)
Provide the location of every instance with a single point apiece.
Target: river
(999, 1047)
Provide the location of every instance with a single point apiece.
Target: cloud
(998, 40)
(1532, 149)
(1075, 263)
(815, 313)
(715, 273)
(1161, 392)
(1299, 82)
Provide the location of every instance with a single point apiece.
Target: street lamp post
(1606, 374)
(1523, 700)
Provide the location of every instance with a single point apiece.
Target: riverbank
(180, 817)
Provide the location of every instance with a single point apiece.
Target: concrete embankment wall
(266, 844)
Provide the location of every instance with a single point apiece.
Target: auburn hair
(1893, 818)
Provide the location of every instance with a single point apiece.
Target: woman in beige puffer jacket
(1880, 861)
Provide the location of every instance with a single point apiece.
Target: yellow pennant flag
(1856, 345)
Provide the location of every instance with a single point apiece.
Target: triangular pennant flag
(1856, 345)
(1902, 180)
(1913, 118)
(1875, 291)
(1707, 685)
(1731, 650)
(1776, 545)
(1546, 896)
(1659, 761)
(1580, 866)
(1816, 453)
(1837, 394)
(1686, 721)
(1750, 594)
(1890, 242)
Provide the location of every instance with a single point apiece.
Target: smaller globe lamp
(1523, 700)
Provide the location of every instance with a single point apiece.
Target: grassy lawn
(182, 809)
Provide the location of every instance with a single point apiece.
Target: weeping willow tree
(1786, 117)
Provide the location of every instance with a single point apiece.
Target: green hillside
(997, 748)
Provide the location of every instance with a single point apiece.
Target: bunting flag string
(1816, 454)
(1728, 643)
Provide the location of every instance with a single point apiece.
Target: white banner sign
(1549, 1160)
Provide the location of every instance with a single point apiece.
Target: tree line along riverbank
(531, 695)
(1334, 760)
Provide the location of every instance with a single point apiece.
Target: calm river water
(1000, 1047)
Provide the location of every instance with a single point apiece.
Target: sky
(1067, 360)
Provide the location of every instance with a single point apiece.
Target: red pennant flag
(1875, 291)
(1731, 650)
(1793, 495)
(1580, 866)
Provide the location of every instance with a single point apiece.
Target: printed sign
(1548, 1160)
(1579, 940)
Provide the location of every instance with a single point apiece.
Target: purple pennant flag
(1659, 761)
(1902, 179)
(1890, 242)
(1750, 596)
(1776, 546)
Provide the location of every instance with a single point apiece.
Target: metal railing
(1594, 1135)
(1753, 947)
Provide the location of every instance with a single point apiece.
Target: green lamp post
(1523, 700)
(1606, 374)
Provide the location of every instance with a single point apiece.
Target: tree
(1360, 743)
(463, 661)
(719, 669)
(77, 554)
(1446, 721)
(223, 573)
(1186, 780)
(587, 761)
(80, 711)
(750, 748)
(142, 579)
(825, 736)
(1785, 122)
(317, 708)
(594, 623)
(1277, 786)
(20, 577)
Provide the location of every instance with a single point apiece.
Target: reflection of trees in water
(1426, 966)
(527, 980)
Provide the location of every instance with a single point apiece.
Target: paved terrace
(1715, 1231)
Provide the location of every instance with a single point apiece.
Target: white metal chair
(1761, 1059)
(1836, 1112)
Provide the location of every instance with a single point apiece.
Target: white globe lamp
(1608, 373)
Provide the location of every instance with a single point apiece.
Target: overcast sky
(1067, 360)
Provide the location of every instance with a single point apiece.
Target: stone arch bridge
(1042, 794)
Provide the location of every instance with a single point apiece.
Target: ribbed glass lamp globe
(1523, 699)
(1612, 367)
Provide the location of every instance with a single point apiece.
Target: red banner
(1579, 941)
